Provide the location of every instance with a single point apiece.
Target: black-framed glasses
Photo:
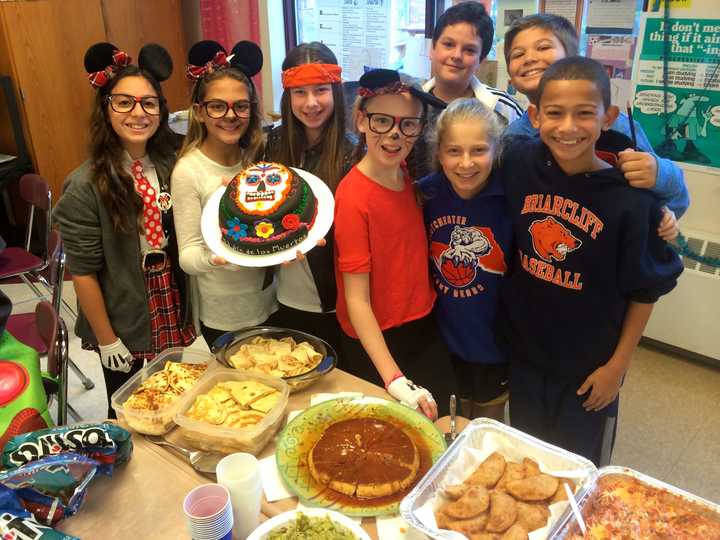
(217, 108)
(124, 103)
(381, 123)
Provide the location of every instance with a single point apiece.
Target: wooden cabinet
(42, 45)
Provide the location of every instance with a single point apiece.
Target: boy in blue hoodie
(589, 263)
(532, 44)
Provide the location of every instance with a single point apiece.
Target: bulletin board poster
(355, 30)
(683, 125)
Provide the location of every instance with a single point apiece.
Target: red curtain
(230, 21)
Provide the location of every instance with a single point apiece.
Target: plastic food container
(568, 524)
(480, 438)
(206, 436)
(227, 344)
(160, 421)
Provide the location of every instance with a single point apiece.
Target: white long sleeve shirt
(226, 299)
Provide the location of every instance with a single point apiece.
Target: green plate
(300, 435)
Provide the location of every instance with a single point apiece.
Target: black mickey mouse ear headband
(378, 82)
(154, 59)
(205, 57)
(208, 56)
(103, 61)
(247, 57)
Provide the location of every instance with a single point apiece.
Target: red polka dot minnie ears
(104, 61)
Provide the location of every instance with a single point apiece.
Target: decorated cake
(265, 209)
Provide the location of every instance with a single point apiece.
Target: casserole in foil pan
(567, 525)
(476, 442)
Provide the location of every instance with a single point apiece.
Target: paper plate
(300, 435)
(265, 528)
(210, 227)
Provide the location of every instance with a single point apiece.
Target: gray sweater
(93, 246)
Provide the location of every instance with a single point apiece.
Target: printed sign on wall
(681, 117)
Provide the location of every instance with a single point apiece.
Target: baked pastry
(148, 409)
(364, 457)
(265, 209)
(234, 404)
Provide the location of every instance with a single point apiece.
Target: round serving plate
(300, 435)
(226, 345)
(210, 227)
(262, 532)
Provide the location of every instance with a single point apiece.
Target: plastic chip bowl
(225, 440)
(227, 344)
(160, 421)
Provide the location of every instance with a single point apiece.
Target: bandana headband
(120, 59)
(311, 74)
(393, 88)
(219, 61)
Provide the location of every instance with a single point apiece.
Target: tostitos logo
(552, 240)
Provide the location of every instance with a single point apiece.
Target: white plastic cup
(208, 512)
(240, 474)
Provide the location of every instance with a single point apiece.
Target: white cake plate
(210, 227)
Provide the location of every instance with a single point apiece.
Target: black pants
(548, 407)
(115, 379)
(420, 352)
(322, 325)
(480, 382)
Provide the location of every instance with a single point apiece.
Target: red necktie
(152, 221)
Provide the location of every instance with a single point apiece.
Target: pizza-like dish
(626, 508)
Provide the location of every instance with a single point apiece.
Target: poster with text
(356, 31)
(682, 116)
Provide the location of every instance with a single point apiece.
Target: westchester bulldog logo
(470, 249)
(552, 240)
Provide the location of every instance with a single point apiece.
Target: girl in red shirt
(385, 297)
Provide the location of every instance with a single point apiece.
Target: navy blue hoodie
(470, 247)
(587, 245)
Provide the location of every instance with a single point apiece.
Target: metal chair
(21, 261)
(22, 325)
(56, 275)
(54, 334)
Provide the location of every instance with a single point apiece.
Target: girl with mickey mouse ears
(224, 137)
(116, 221)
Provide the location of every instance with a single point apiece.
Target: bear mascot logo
(552, 240)
(459, 262)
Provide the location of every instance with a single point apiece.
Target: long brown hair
(252, 140)
(116, 186)
(292, 131)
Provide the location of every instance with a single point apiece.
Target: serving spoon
(202, 462)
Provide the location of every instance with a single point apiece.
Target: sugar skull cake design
(265, 209)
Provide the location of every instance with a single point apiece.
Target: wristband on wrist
(393, 378)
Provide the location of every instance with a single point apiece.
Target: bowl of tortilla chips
(298, 358)
(230, 410)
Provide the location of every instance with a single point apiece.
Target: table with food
(338, 458)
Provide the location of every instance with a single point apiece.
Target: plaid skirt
(165, 314)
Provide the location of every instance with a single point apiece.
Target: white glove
(407, 392)
(116, 356)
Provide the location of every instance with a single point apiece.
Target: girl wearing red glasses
(115, 219)
(385, 297)
(224, 137)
